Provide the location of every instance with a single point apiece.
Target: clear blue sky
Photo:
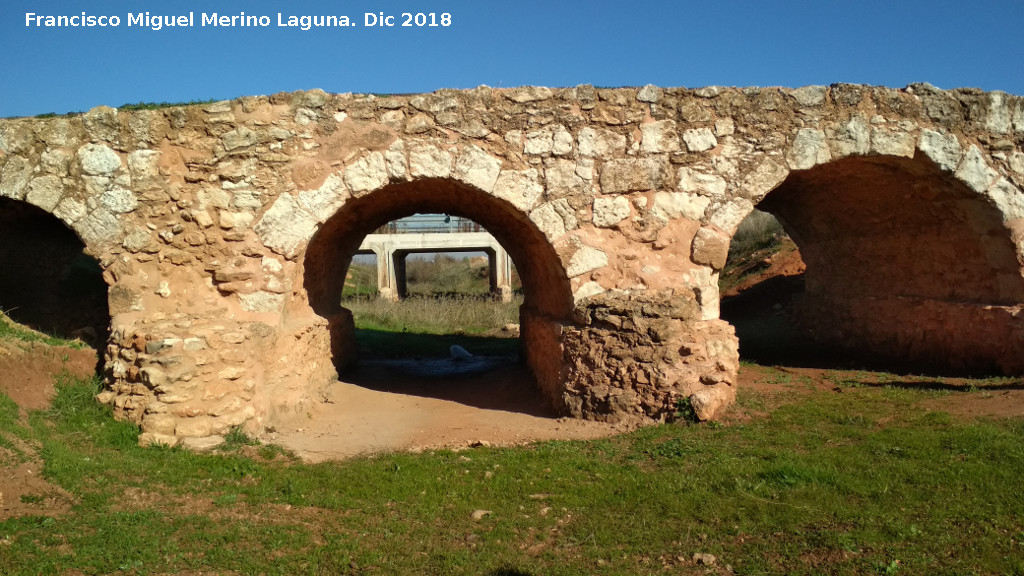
(502, 44)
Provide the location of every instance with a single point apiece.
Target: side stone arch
(49, 281)
(912, 243)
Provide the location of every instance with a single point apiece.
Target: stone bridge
(224, 232)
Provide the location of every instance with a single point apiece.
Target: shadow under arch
(906, 265)
(547, 294)
(48, 282)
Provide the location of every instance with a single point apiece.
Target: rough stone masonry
(224, 231)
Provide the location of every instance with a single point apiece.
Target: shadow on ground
(419, 364)
(763, 316)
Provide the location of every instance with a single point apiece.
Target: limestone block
(153, 439)
(144, 164)
(586, 259)
(98, 160)
(670, 205)
(98, 226)
(477, 168)
(230, 220)
(704, 283)
(889, 143)
(999, 119)
(304, 116)
(597, 143)
(528, 94)
(101, 123)
(725, 127)
(550, 220)
(1008, 199)
(975, 172)
(631, 175)
(57, 132)
(943, 149)
(1016, 162)
(660, 137)
(809, 149)
(649, 94)
(159, 424)
(70, 211)
(14, 138)
(239, 138)
(427, 161)
(852, 138)
(586, 291)
(419, 124)
(521, 188)
(236, 418)
(261, 301)
(219, 107)
(285, 226)
(1018, 116)
(709, 401)
(202, 218)
(138, 239)
(398, 166)
(247, 199)
(45, 192)
(729, 215)
(324, 201)
(434, 103)
(610, 211)
(366, 174)
(564, 181)
(56, 161)
(809, 96)
(710, 248)
(15, 178)
(194, 427)
(766, 177)
(691, 180)
(554, 140)
(119, 200)
(699, 139)
(210, 197)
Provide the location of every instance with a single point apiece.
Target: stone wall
(224, 230)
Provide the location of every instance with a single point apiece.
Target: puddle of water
(442, 367)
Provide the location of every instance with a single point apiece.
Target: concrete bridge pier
(393, 249)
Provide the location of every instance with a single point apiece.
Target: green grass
(10, 330)
(159, 105)
(859, 482)
(434, 315)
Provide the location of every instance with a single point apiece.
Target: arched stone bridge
(224, 231)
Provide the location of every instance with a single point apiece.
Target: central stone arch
(548, 299)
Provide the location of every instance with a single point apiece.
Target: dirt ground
(27, 371)
(387, 406)
(416, 405)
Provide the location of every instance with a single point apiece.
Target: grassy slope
(862, 482)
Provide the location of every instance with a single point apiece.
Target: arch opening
(906, 269)
(547, 300)
(49, 283)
